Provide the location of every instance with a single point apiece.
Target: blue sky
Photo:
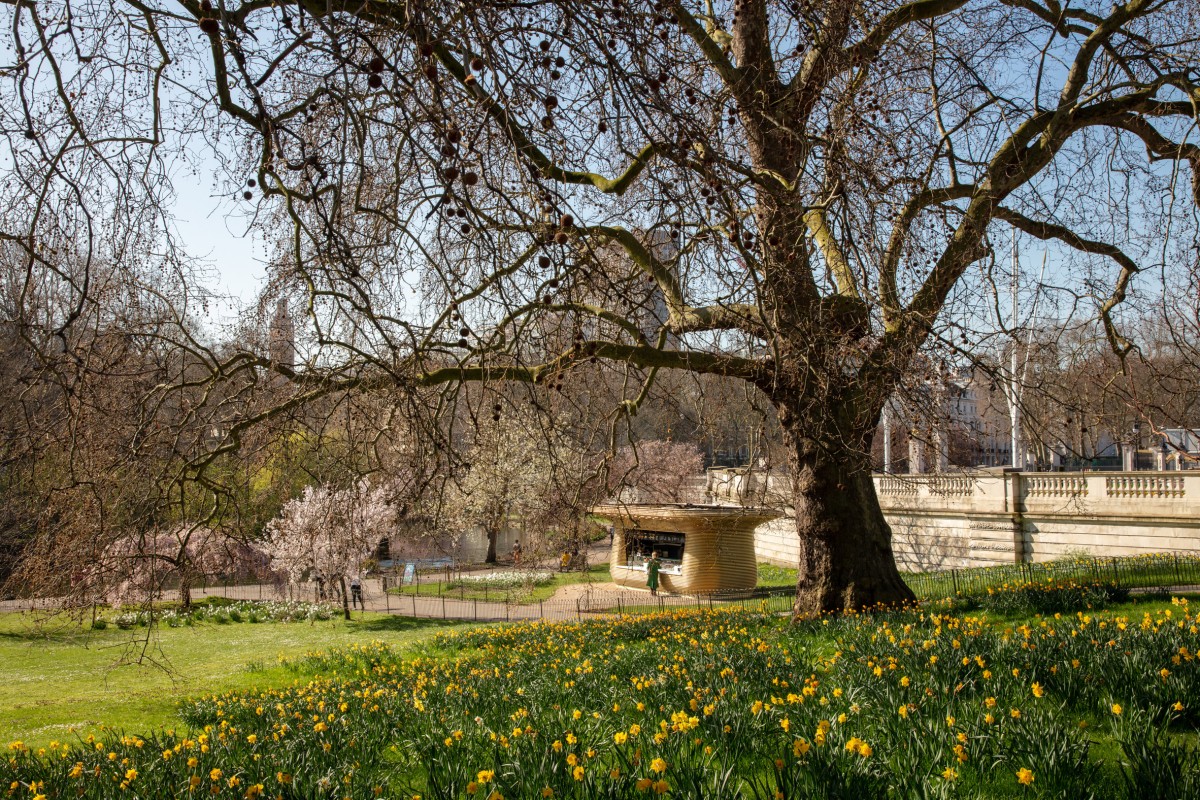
(234, 257)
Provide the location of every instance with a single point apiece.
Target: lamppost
(1130, 464)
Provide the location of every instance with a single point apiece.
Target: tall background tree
(800, 195)
(505, 480)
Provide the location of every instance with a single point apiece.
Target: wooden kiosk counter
(701, 548)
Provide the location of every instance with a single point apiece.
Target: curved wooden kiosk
(701, 548)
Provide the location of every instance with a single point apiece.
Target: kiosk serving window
(640, 544)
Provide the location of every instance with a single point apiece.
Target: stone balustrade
(995, 517)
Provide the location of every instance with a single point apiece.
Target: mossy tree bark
(846, 559)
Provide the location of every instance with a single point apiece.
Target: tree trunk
(846, 558)
(492, 535)
(185, 593)
(345, 597)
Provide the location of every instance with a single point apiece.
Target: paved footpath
(572, 601)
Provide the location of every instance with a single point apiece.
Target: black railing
(1132, 572)
(1129, 572)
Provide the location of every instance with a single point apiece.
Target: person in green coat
(652, 573)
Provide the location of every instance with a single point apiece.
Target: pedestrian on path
(652, 572)
(356, 596)
(517, 552)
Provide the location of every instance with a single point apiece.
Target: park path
(572, 601)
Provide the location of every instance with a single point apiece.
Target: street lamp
(1136, 440)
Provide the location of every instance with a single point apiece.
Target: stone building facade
(987, 518)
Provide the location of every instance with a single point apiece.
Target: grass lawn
(771, 575)
(1136, 571)
(729, 704)
(1145, 571)
(431, 586)
(56, 676)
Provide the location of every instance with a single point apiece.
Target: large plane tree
(804, 195)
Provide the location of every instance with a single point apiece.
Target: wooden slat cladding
(718, 553)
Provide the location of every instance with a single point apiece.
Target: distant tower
(281, 340)
(642, 304)
(652, 312)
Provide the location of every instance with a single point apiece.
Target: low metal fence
(584, 606)
(1129, 572)
(496, 606)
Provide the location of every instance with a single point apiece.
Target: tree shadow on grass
(399, 624)
(37, 637)
(46, 628)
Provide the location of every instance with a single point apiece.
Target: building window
(640, 544)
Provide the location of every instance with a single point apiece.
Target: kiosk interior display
(639, 545)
